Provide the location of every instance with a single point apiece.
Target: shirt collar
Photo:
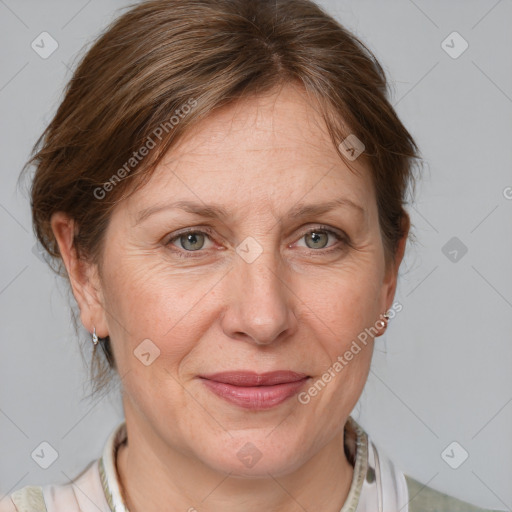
(376, 484)
(108, 469)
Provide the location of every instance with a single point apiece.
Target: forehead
(264, 151)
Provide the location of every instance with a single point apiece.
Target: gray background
(440, 374)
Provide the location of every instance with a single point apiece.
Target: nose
(260, 306)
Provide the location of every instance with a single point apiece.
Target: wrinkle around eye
(212, 240)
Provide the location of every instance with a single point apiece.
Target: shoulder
(27, 499)
(82, 494)
(386, 487)
(425, 499)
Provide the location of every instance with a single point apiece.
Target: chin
(255, 457)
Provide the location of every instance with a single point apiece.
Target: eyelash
(207, 231)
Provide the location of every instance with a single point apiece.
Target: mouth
(251, 390)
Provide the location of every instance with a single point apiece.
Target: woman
(224, 187)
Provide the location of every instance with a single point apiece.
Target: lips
(256, 391)
(245, 378)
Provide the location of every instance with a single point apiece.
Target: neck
(151, 475)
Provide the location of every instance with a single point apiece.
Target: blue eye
(316, 241)
(193, 240)
(190, 241)
(319, 238)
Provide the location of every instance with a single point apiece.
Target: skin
(297, 306)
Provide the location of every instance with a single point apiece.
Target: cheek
(340, 313)
(150, 302)
(343, 348)
(345, 303)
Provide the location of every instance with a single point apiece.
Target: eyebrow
(218, 211)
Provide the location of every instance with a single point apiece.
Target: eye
(318, 238)
(189, 241)
(193, 240)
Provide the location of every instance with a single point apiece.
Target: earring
(94, 337)
(383, 324)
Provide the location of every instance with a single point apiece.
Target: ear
(391, 278)
(83, 276)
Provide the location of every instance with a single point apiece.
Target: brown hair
(166, 64)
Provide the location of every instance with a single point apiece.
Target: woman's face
(265, 283)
